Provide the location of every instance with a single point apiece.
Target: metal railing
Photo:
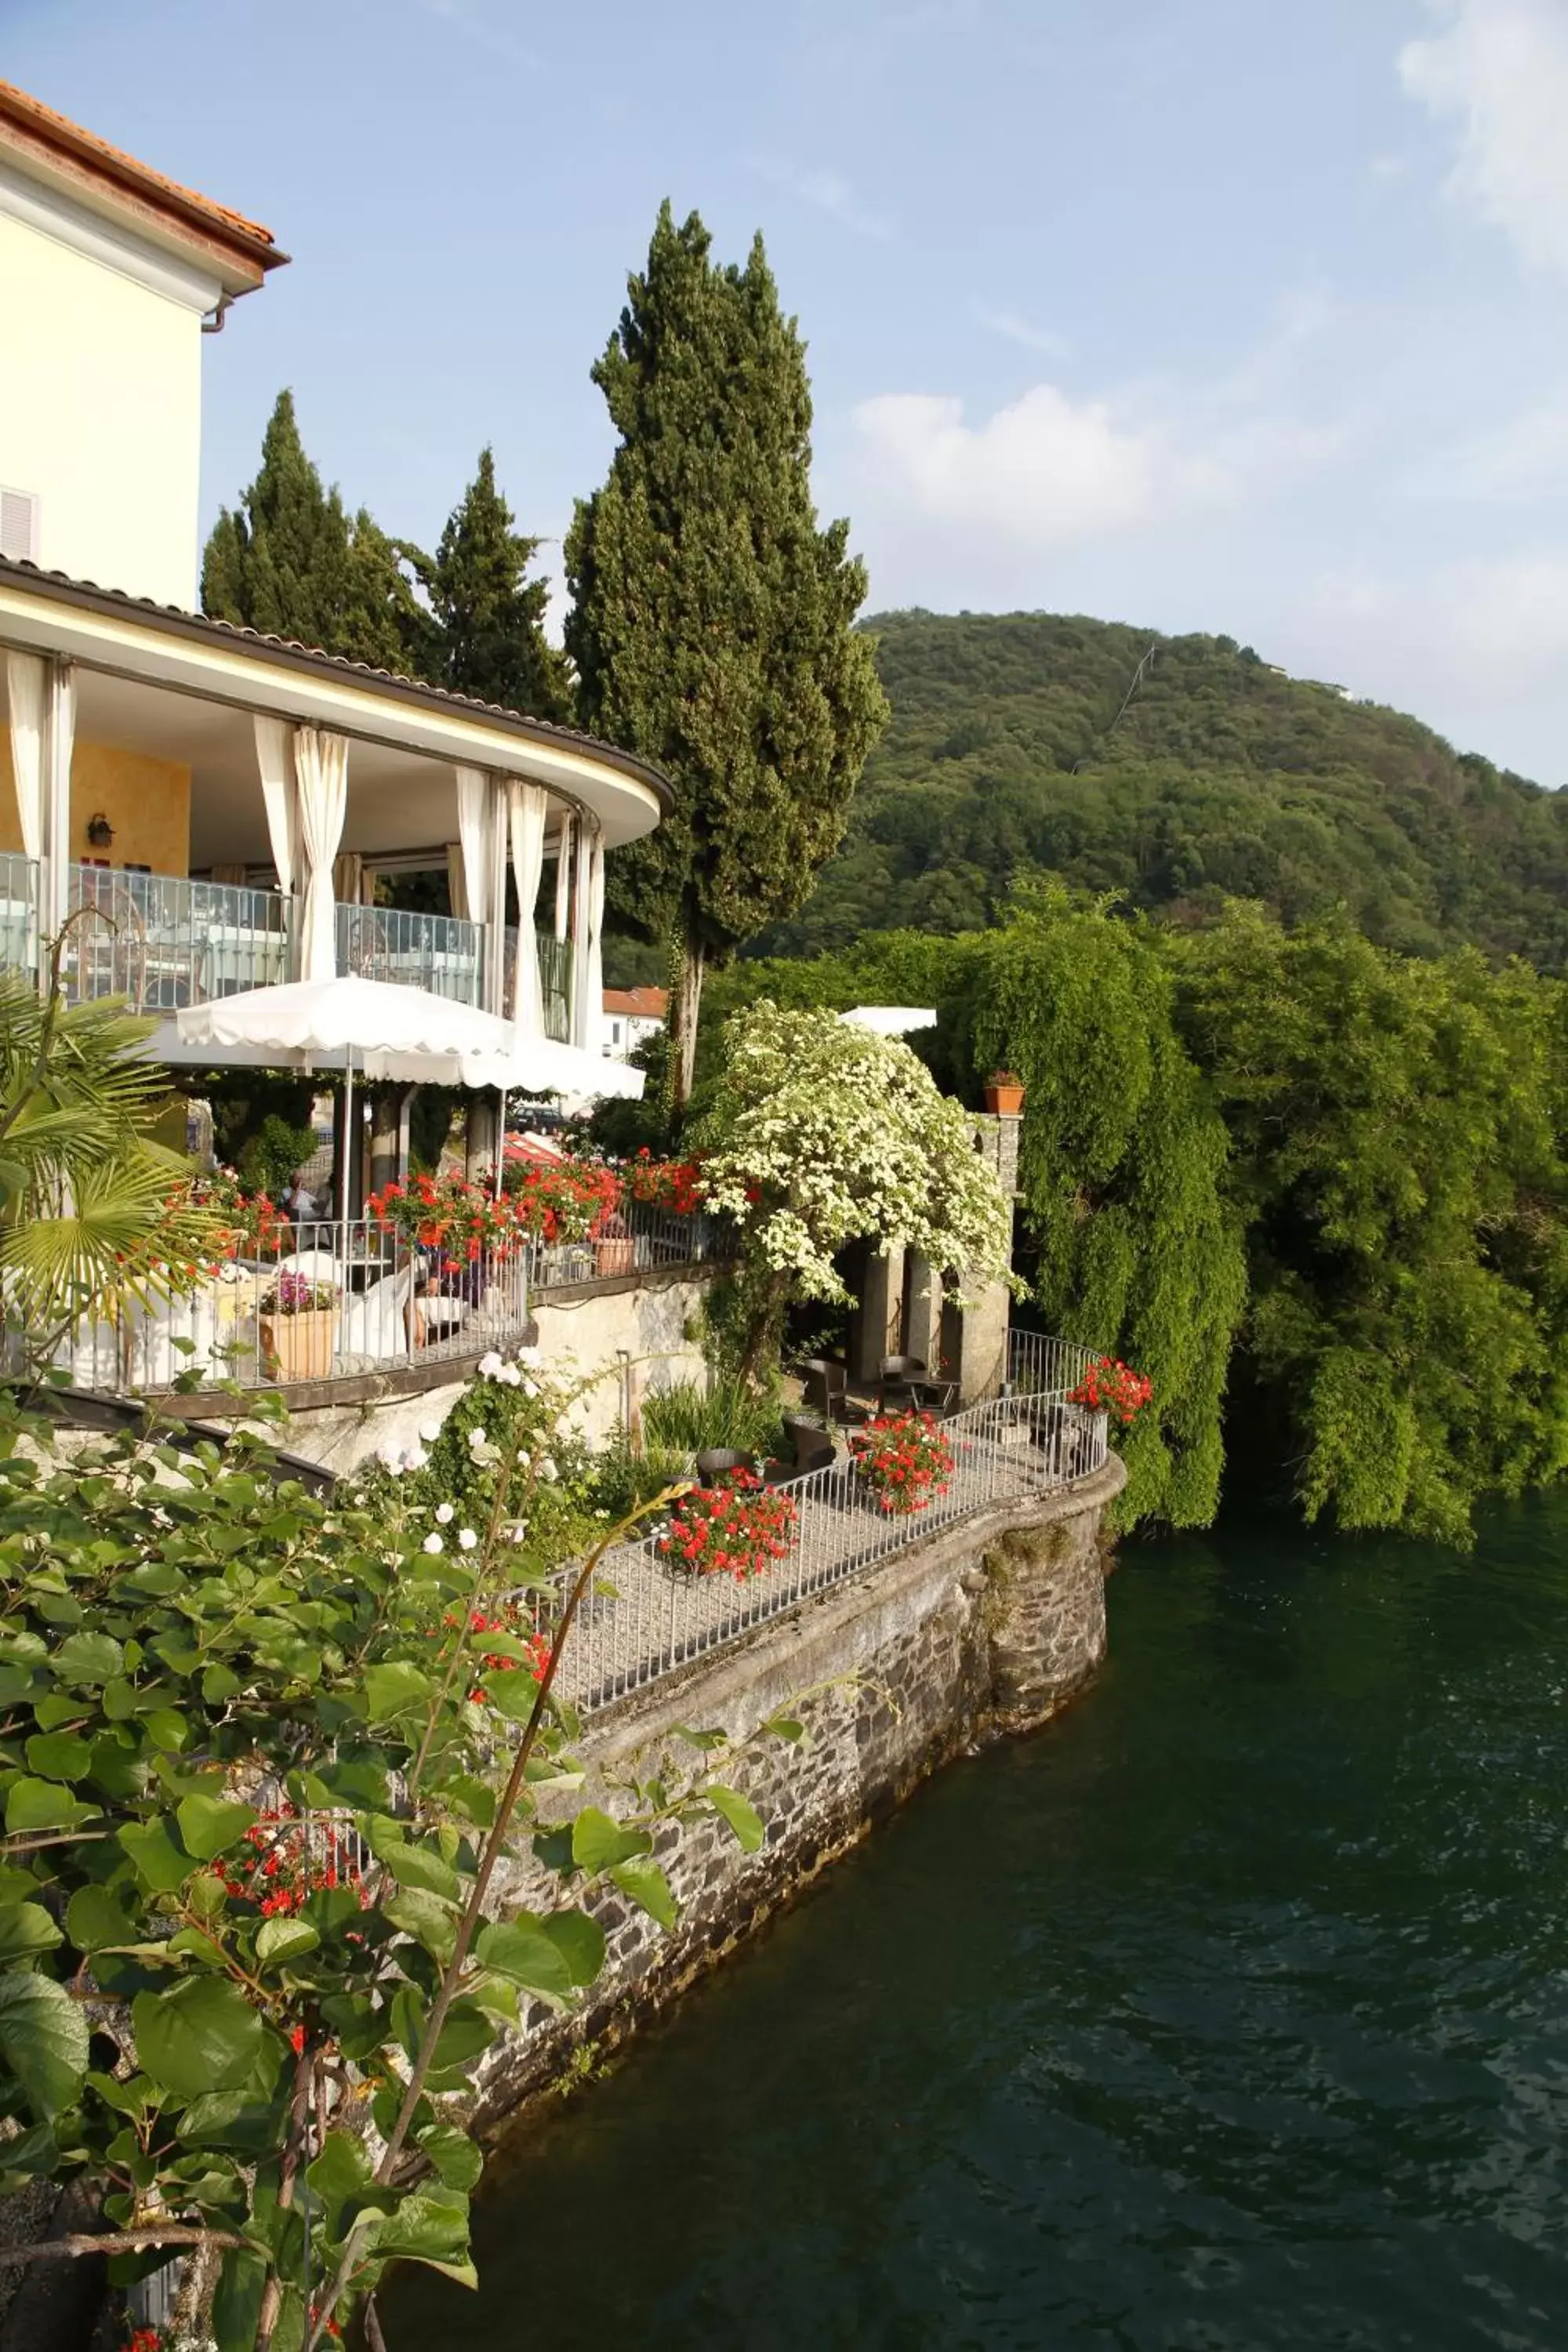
(641, 1239)
(18, 911)
(1038, 1364)
(646, 1618)
(392, 1307)
(163, 942)
(444, 954)
(555, 958)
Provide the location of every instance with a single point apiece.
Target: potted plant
(615, 1249)
(904, 1459)
(297, 1318)
(1112, 1387)
(738, 1529)
(1005, 1094)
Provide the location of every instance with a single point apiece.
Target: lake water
(1230, 2012)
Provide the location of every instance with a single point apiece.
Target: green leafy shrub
(689, 1417)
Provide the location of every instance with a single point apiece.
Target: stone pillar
(922, 1310)
(974, 1335)
(878, 1328)
(388, 1136)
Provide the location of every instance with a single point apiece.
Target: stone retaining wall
(989, 1627)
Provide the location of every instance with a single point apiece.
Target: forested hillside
(1180, 771)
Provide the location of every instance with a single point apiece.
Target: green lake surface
(1228, 2013)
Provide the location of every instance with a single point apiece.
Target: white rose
(528, 1356)
(432, 1542)
(444, 1514)
(490, 1368)
(429, 1431)
(467, 1537)
(478, 1441)
(509, 1376)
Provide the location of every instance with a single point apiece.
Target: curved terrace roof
(287, 653)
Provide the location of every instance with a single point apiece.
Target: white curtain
(275, 761)
(56, 907)
(321, 773)
(26, 681)
(593, 1027)
(526, 804)
(474, 822)
(563, 877)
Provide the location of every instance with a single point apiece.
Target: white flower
(478, 1441)
(519, 1531)
(416, 1458)
(529, 1356)
(547, 1469)
(429, 1431)
(446, 1513)
(509, 1377)
(490, 1368)
(432, 1542)
(601, 1515)
(467, 1537)
(391, 1457)
(530, 1387)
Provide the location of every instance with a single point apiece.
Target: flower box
(1003, 1093)
(298, 1346)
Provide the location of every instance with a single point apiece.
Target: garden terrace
(648, 1618)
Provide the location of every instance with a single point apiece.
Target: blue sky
(1220, 314)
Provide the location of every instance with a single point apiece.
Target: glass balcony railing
(163, 943)
(18, 911)
(441, 953)
(554, 981)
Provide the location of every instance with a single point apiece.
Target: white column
(54, 889)
(581, 1025)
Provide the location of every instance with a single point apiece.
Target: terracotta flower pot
(1003, 1093)
(615, 1255)
(300, 1347)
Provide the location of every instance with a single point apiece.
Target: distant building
(630, 1015)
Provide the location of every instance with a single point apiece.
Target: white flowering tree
(823, 1133)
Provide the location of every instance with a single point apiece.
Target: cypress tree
(486, 624)
(286, 561)
(712, 622)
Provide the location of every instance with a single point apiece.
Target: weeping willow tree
(1397, 1132)
(92, 1209)
(1121, 1176)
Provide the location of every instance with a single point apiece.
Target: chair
(898, 1379)
(374, 1325)
(811, 1447)
(315, 1265)
(936, 1396)
(824, 1384)
(720, 1464)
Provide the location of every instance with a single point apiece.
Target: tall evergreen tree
(485, 629)
(712, 622)
(289, 561)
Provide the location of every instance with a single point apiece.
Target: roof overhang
(77, 165)
(181, 653)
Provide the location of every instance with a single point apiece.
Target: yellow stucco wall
(147, 801)
(101, 416)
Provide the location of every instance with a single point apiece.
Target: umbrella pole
(501, 1137)
(343, 1190)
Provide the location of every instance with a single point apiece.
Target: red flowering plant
(247, 1224)
(675, 1184)
(526, 1646)
(463, 1221)
(738, 1529)
(904, 1459)
(1109, 1386)
(558, 1201)
(284, 1858)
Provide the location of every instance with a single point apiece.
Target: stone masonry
(989, 1627)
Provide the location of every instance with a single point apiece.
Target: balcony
(439, 953)
(157, 940)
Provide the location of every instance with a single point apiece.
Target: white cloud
(1501, 66)
(829, 191)
(1524, 457)
(1018, 330)
(1048, 472)
(1491, 627)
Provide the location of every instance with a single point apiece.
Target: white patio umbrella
(891, 1020)
(403, 1035)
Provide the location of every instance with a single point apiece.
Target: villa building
(192, 809)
